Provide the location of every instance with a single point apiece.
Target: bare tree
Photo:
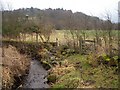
(47, 30)
(109, 30)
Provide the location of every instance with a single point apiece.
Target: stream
(36, 77)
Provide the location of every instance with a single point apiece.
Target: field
(89, 34)
(61, 35)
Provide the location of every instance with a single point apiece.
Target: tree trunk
(110, 43)
(41, 38)
(80, 45)
(36, 37)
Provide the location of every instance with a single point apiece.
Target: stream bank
(33, 77)
(13, 67)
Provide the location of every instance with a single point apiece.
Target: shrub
(92, 57)
(107, 60)
(52, 78)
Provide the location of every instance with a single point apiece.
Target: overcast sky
(90, 7)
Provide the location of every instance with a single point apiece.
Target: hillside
(59, 18)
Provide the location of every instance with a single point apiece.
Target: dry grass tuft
(14, 65)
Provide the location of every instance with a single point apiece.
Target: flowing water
(36, 77)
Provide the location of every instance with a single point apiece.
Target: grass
(63, 34)
(14, 65)
(69, 80)
(84, 75)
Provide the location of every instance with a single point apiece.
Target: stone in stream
(35, 78)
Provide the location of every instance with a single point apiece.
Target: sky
(90, 7)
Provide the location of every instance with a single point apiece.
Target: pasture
(61, 35)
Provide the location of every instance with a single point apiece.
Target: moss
(46, 65)
(52, 78)
(76, 58)
(115, 58)
(70, 80)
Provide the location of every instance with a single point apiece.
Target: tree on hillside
(11, 24)
(45, 27)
